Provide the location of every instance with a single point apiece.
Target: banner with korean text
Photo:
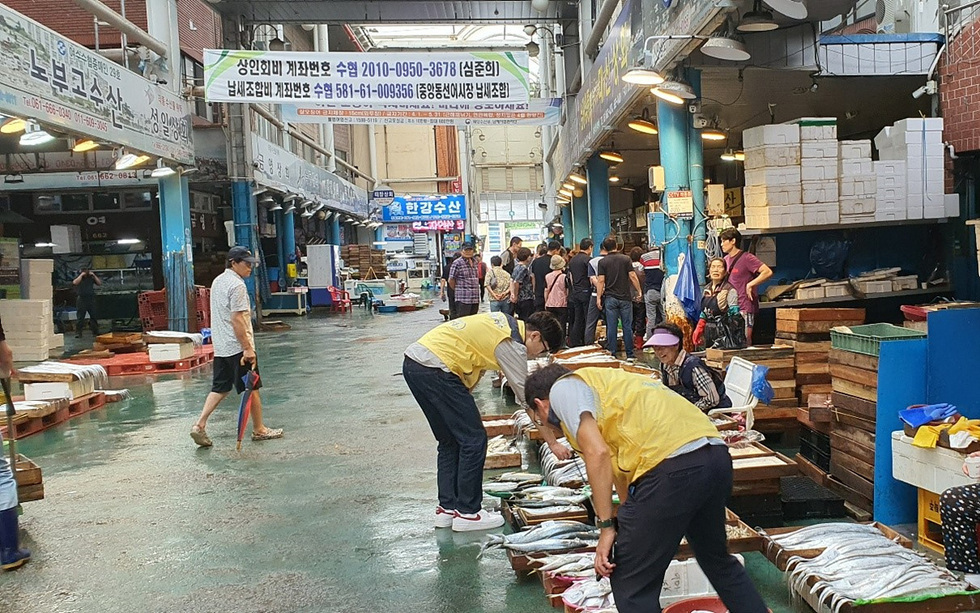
(537, 112)
(438, 207)
(366, 78)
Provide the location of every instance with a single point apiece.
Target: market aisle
(336, 517)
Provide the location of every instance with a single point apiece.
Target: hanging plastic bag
(760, 387)
(829, 257)
(688, 290)
(725, 332)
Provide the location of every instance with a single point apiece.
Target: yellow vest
(642, 421)
(466, 345)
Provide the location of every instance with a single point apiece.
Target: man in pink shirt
(746, 273)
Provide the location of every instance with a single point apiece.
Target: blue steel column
(288, 239)
(178, 258)
(243, 214)
(695, 155)
(673, 124)
(334, 233)
(598, 175)
(566, 220)
(580, 218)
(279, 219)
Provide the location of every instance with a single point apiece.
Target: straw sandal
(268, 435)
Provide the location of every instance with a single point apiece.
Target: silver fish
(548, 545)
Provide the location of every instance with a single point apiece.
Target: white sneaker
(444, 517)
(484, 520)
(973, 580)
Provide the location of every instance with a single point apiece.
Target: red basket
(914, 313)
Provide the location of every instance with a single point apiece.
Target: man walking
(746, 273)
(508, 256)
(595, 309)
(652, 285)
(85, 303)
(614, 276)
(464, 281)
(578, 299)
(541, 268)
(234, 345)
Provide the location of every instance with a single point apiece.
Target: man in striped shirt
(464, 280)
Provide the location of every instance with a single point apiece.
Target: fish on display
(553, 529)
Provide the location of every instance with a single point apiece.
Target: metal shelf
(842, 226)
(939, 289)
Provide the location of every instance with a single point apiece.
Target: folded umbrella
(251, 379)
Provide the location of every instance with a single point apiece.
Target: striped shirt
(465, 272)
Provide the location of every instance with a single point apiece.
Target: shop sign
(398, 233)
(48, 77)
(439, 226)
(382, 195)
(426, 208)
(366, 78)
(536, 112)
(452, 242)
(80, 180)
(283, 171)
(680, 204)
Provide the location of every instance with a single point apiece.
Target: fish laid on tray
(546, 537)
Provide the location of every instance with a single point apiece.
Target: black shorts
(228, 373)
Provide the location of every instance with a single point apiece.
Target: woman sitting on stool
(684, 373)
(959, 508)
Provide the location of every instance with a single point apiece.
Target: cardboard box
(763, 195)
(170, 352)
(784, 176)
(773, 134)
(855, 150)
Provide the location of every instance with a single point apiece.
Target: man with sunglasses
(234, 345)
(441, 369)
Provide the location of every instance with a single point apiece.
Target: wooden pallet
(84, 404)
(25, 426)
(139, 363)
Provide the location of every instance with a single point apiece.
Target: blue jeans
(500, 306)
(618, 311)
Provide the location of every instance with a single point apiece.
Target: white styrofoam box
(890, 168)
(810, 293)
(930, 139)
(764, 195)
(857, 206)
(684, 579)
(933, 206)
(874, 287)
(53, 390)
(170, 352)
(935, 470)
(904, 282)
(891, 209)
(821, 214)
(928, 162)
(772, 156)
(883, 140)
(919, 124)
(774, 177)
(914, 210)
(56, 341)
(29, 353)
(774, 216)
(37, 266)
(817, 128)
(890, 182)
(819, 169)
(855, 149)
(858, 187)
(833, 290)
(951, 205)
(899, 194)
(773, 134)
(821, 192)
(819, 149)
(67, 239)
(853, 219)
(857, 167)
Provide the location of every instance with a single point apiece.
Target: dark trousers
(524, 309)
(682, 496)
(538, 303)
(578, 310)
(618, 310)
(83, 306)
(451, 297)
(455, 421)
(592, 320)
(465, 310)
(561, 313)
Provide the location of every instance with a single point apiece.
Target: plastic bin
(867, 339)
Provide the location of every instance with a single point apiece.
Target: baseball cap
(241, 254)
(467, 245)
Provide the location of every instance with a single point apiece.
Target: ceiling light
(641, 75)
(188, 171)
(667, 96)
(568, 185)
(275, 207)
(794, 9)
(532, 48)
(306, 202)
(258, 191)
(292, 197)
(43, 245)
(675, 92)
(724, 48)
(126, 160)
(162, 170)
(612, 157)
(17, 178)
(643, 124)
(728, 155)
(739, 156)
(579, 192)
(627, 188)
(128, 241)
(84, 145)
(349, 219)
(14, 125)
(307, 213)
(562, 200)
(757, 20)
(530, 29)
(713, 134)
(613, 179)
(34, 135)
(540, 6)
(577, 178)
(565, 192)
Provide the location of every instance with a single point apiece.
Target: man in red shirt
(746, 273)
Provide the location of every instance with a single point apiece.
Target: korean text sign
(426, 208)
(362, 78)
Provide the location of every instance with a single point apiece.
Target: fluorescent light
(84, 145)
(611, 156)
(640, 75)
(13, 125)
(128, 241)
(578, 178)
(34, 135)
(43, 245)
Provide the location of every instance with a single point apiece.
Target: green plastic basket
(867, 339)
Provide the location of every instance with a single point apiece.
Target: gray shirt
(228, 296)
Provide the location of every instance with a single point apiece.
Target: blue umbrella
(688, 290)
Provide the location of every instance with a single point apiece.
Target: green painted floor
(335, 518)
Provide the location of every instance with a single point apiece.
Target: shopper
(653, 284)
(579, 296)
(441, 370)
(234, 346)
(85, 302)
(595, 312)
(464, 281)
(509, 255)
(959, 509)
(448, 295)
(639, 299)
(522, 286)
(498, 281)
(746, 273)
(556, 292)
(540, 268)
(721, 325)
(614, 277)
(669, 466)
(11, 555)
(684, 373)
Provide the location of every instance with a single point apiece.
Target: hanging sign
(680, 204)
(366, 78)
(425, 208)
(439, 226)
(382, 195)
(537, 112)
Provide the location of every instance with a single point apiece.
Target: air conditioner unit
(907, 16)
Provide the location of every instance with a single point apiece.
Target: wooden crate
(527, 519)
(500, 429)
(780, 556)
(821, 314)
(809, 469)
(29, 480)
(803, 416)
(866, 409)
(753, 542)
(502, 460)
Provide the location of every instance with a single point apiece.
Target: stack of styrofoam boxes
(891, 202)
(66, 239)
(29, 327)
(772, 195)
(36, 284)
(919, 143)
(819, 160)
(685, 579)
(858, 187)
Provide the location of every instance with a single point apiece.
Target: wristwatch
(605, 523)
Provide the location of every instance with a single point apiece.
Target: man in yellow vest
(441, 370)
(671, 469)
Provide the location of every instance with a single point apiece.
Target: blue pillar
(379, 236)
(597, 171)
(673, 123)
(566, 220)
(580, 218)
(178, 258)
(695, 155)
(288, 239)
(280, 245)
(334, 233)
(243, 214)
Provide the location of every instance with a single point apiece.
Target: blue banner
(437, 207)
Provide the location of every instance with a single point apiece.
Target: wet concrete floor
(336, 517)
